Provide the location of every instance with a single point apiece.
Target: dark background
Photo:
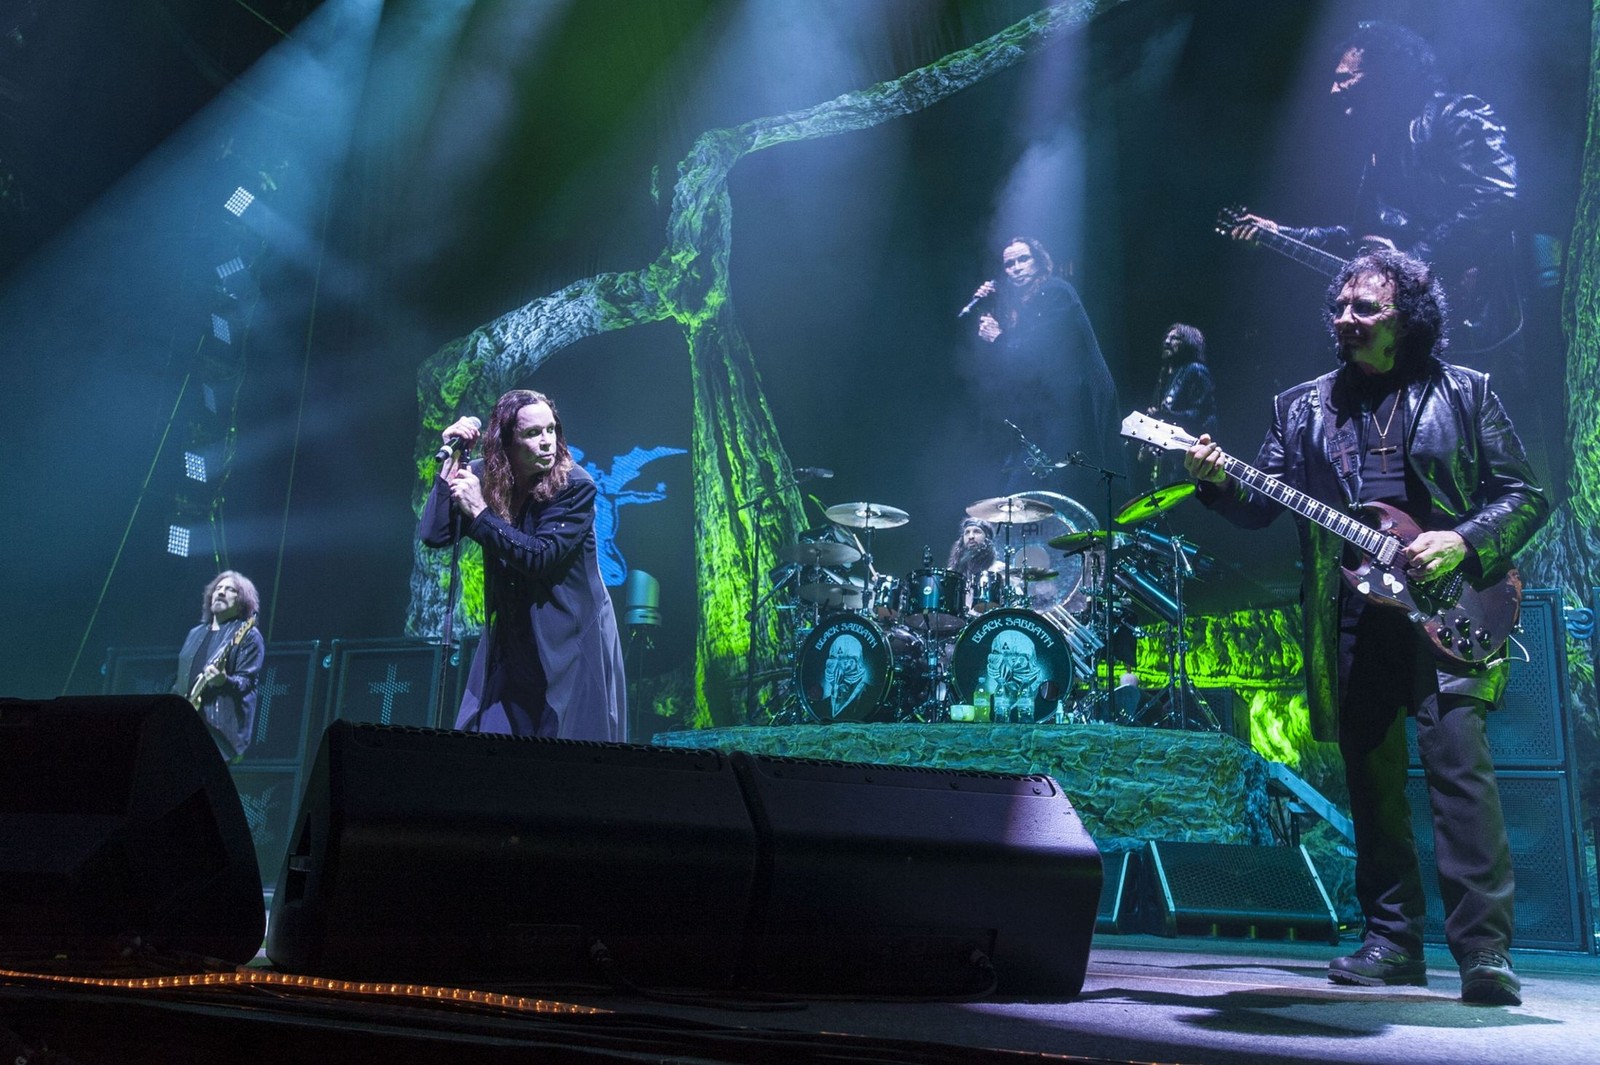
(453, 161)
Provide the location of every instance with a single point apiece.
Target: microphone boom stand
(1040, 464)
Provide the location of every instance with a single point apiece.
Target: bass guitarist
(220, 663)
(1396, 424)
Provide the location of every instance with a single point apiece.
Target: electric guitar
(1485, 309)
(197, 693)
(1465, 623)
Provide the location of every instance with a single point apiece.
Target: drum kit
(1022, 640)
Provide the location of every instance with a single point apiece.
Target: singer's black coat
(550, 660)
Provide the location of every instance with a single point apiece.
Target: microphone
(454, 441)
(973, 302)
(806, 473)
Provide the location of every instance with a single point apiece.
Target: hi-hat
(823, 553)
(867, 515)
(1154, 502)
(836, 596)
(1010, 510)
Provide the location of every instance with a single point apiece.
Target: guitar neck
(1323, 262)
(1377, 544)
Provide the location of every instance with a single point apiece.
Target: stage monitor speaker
(1227, 889)
(447, 856)
(118, 823)
(139, 670)
(386, 682)
(1119, 898)
(286, 705)
(1551, 910)
(268, 795)
(1532, 727)
(893, 880)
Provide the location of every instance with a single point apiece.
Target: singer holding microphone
(1040, 366)
(550, 659)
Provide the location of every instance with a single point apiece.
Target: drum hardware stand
(1041, 464)
(762, 498)
(1178, 699)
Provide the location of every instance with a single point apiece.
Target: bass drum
(1021, 658)
(845, 669)
(1077, 574)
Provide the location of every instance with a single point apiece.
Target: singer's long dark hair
(499, 478)
(1419, 304)
(1011, 299)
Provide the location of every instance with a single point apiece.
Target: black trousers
(1386, 670)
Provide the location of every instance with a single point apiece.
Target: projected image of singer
(550, 660)
(1040, 366)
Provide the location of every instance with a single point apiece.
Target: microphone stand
(1041, 465)
(757, 600)
(448, 628)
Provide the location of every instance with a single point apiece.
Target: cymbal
(867, 515)
(822, 553)
(838, 596)
(1154, 502)
(1040, 574)
(1073, 542)
(1010, 510)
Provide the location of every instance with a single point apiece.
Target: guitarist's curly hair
(1419, 304)
(249, 598)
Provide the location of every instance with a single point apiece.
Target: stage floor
(1199, 1001)
(1231, 1002)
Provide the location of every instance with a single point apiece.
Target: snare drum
(845, 669)
(934, 600)
(1023, 659)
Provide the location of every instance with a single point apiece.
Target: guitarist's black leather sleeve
(1487, 492)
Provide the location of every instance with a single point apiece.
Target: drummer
(973, 551)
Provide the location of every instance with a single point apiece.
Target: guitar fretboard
(1323, 262)
(1379, 545)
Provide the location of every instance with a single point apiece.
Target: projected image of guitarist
(1438, 181)
(1416, 619)
(220, 663)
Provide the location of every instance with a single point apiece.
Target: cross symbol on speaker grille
(389, 687)
(268, 687)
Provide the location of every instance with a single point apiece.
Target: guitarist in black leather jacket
(1438, 181)
(1396, 424)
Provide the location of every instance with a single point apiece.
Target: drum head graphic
(1021, 658)
(845, 669)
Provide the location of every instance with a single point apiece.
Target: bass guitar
(1465, 623)
(1485, 308)
(196, 693)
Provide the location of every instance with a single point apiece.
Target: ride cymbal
(867, 515)
(1010, 510)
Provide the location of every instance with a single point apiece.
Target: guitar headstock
(1156, 433)
(1231, 218)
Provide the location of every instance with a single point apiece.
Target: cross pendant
(1383, 454)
